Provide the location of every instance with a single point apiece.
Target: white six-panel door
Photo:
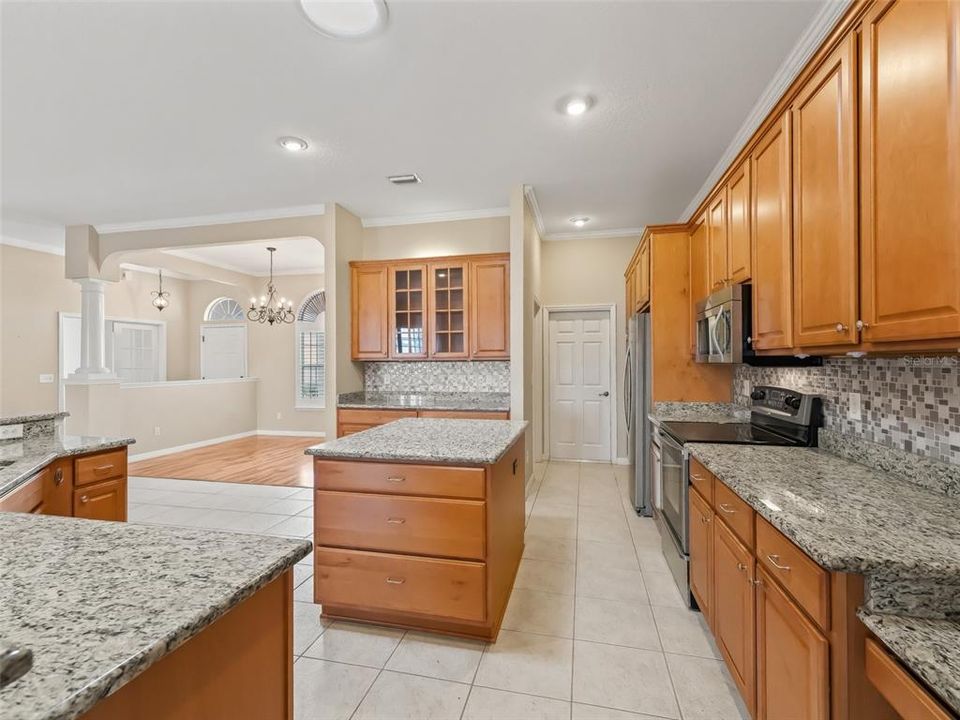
(223, 351)
(579, 385)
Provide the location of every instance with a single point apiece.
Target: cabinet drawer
(103, 501)
(379, 581)
(102, 466)
(702, 480)
(734, 512)
(353, 416)
(898, 688)
(351, 429)
(28, 497)
(806, 581)
(392, 523)
(399, 479)
(465, 414)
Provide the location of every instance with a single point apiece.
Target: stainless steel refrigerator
(636, 408)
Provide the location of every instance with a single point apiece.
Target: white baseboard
(188, 446)
(293, 433)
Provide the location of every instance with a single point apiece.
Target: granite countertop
(699, 412)
(929, 648)
(846, 516)
(477, 401)
(446, 442)
(36, 417)
(99, 602)
(30, 454)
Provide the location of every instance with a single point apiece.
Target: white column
(92, 347)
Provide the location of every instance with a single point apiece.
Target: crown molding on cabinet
(452, 216)
(821, 26)
(219, 219)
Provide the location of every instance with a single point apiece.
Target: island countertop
(451, 401)
(21, 458)
(434, 441)
(100, 602)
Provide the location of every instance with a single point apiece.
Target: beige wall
(460, 237)
(33, 291)
(589, 272)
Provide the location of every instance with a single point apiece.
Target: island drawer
(806, 581)
(465, 414)
(702, 480)
(905, 695)
(379, 581)
(354, 416)
(732, 509)
(28, 498)
(102, 466)
(424, 526)
(399, 479)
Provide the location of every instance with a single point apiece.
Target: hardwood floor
(259, 459)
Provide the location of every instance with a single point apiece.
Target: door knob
(605, 393)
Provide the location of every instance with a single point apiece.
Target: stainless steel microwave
(721, 326)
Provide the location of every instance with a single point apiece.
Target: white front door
(580, 385)
(223, 351)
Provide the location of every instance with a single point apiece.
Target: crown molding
(436, 217)
(220, 219)
(595, 234)
(531, 196)
(818, 29)
(149, 270)
(186, 254)
(31, 245)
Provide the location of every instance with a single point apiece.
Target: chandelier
(270, 310)
(161, 298)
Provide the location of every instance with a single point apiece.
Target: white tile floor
(595, 628)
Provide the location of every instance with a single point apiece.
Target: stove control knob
(793, 401)
(758, 395)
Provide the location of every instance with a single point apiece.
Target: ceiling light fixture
(346, 20)
(271, 310)
(408, 179)
(293, 144)
(575, 105)
(580, 221)
(160, 298)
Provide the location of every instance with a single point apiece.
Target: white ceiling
(119, 112)
(294, 256)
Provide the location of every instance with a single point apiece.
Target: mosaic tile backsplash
(487, 376)
(907, 403)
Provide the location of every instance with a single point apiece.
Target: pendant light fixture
(161, 298)
(271, 310)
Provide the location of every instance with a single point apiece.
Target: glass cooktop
(731, 433)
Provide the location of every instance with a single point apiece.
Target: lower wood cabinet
(101, 501)
(701, 554)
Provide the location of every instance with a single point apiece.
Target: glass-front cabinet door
(408, 311)
(448, 310)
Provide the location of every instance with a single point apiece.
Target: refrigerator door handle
(628, 390)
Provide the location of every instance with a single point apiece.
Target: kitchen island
(136, 621)
(419, 524)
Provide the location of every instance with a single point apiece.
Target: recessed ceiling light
(350, 20)
(408, 179)
(293, 144)
(580, 221)
(575, 105)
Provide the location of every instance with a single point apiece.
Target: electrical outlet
(853, 407)
(156, 431)
(46, 378)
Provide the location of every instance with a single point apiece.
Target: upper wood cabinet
(738, 224)
(449, 337)
(718, 271)
(408, 311)
(643, 275)
(490, 307)
(369, 312)
(699, 273)
(772, 239)
(824, 117)
(910, 171)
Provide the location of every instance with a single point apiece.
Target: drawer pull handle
(84, 499)
(727, 509)
(58, 477)
(395, 479)
(704, 520)
(395, 581)
(741, 566)
(773, 560)
(103, 468)
(696, 477)
(396, 521)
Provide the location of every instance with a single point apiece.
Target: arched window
(223, 309)
(311, 351)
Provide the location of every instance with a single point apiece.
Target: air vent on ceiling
(410, 179)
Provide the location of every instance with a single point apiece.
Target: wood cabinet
(449, 323)
(101, 501)
(354, 420)
(793, 661)
(58, 488)
(701, 554)
(369, 312)
(824, 117)
(910, 171)
(718, 271)
(27, 498)
(734, 610)
(905, 695)
(490, 307)
(739, 261)
(772, 239)
(408, 311)
(699, 274)
(643, 276)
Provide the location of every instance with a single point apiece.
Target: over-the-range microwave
(724, 322)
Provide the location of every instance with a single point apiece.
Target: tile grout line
(379, 673)
(576, 571)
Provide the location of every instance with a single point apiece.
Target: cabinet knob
(58, 477)
(84, 499)
(861, 325)
(741, 566)
(841, 328)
